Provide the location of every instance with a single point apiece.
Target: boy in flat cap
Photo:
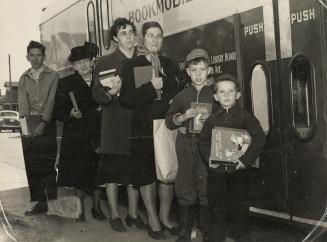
(191, 179)
(36, 92)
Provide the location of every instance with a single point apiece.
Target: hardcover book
(106, 77)
(203, 110)
(142, 75)
(29, 123)
(228, 144)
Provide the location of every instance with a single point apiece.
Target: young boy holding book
(228, 185)
(187, 113)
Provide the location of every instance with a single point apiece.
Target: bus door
(257, 70)
(303, 107)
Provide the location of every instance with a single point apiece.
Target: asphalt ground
(14, 201)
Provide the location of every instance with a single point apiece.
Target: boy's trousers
(191, 179)
(228, 197)
(39, 156)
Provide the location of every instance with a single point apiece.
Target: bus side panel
(177, 16)
(217, 38)
(63, 32)
(303, 112)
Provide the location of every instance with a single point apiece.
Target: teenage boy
(36, 92)
(228, 186)
(191, 179)
(114, 167)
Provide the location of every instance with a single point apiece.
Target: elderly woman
(150, 101)
(75, 113)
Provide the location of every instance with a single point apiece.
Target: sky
(19, 23)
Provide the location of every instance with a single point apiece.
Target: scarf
(154, 57)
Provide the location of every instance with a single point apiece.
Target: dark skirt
(77, 159)
(113, 168)
(143, 164)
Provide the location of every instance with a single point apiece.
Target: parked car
(9, 120)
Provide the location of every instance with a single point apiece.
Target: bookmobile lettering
(154, 8)
(230, 56)
(216, 59)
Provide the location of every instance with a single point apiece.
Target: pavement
(53, 228)
(15, 200)
(12, 167)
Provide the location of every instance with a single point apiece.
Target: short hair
(35, 45)
(227, 77)
(151, 24)
(197, 61)
(120, 23)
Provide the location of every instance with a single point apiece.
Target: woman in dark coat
(76, 113)
(146, 107)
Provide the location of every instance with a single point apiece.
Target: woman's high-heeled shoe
(173, 230)
(157, 235)
(98, 214)
(117, 225)
(136, 221)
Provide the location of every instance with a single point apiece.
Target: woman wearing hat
(150, 101)
(75, 113)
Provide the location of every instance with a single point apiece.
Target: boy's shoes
(98, 214)
(38, 208)
(117, 225)
(136, 221)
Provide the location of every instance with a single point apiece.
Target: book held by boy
(143, 75)
(29, 123)
(203, 110)
(228, 144)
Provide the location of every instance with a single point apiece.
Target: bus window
(259, 96)
(91, 23)
(105, 23)
(302, 93)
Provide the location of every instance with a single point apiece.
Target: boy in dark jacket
(228, 186)
(191, 179)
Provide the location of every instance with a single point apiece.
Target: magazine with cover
(203, 110)
(228, 144)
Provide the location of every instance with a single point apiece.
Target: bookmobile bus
(276, 48)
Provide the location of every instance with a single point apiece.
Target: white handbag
(67, 204)
(165, 153)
